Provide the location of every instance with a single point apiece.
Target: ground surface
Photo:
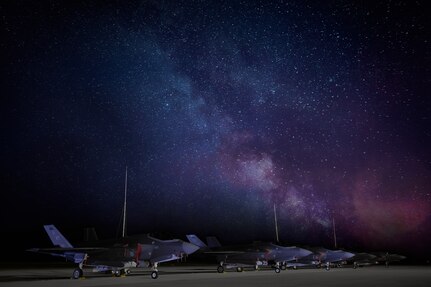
(206, 276)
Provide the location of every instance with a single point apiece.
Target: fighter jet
(363, 259)
(388, 257)
(338, 257)
(117, 257)
(322, 257)
(281, 255)
(161, 251)
(251, 255)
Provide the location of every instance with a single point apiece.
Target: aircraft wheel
(117, 273)
(77, 273)
(128, 271)
(277, 270)
(256, 267)
(355, 266)
(295, 267)
(239, 269)
(327, 268)
(154, 275)
(283, 267)
(220, 269)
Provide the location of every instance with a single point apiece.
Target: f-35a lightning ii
(250, 255)
(117, 256)
(322, 257)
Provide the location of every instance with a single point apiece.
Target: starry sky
(219, 109)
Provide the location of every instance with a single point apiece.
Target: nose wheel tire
(154, 275)
(277, 270)
(220, 269)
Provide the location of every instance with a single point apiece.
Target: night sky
(220, 109)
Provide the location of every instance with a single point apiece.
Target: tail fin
(213, 242)
(90, 234)
(56, 237)
(196, 241)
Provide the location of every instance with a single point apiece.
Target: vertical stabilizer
(56, 237)
(90, 234)
(213, 242)
(196, 241)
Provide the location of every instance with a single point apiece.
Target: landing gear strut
(155, 272)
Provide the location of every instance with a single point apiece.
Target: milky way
(222, 110)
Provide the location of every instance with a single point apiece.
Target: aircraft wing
(224, 252)
(76, 255)
(88, 250)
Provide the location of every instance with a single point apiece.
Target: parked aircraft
(387, 257)
(250, 255)
(322, 257)
(117, 257)
(363, 259)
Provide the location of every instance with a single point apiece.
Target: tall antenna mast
(276, 223)
(335, 235)
(125, 206)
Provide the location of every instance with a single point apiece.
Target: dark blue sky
(220, 109)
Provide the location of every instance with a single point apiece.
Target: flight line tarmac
(206, 275)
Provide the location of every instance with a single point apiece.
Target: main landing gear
(119, 273)
(77, 273)
(220, 269)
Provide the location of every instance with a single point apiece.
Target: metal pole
(276, 224)
(335, 235)
(125, 206)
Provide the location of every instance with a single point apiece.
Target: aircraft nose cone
(349, 255)
(304, 252)
(189, 248)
